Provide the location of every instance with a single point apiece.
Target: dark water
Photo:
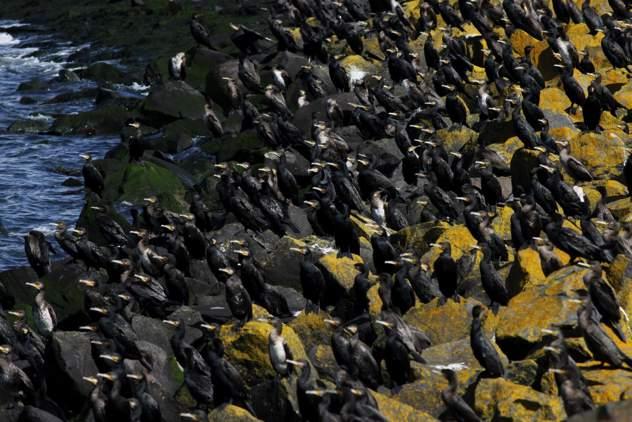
(31, 191)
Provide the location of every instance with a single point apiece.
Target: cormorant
(44, 316)
(454, 402)
(445, 271)
(37, 251)
(200, 33)
(483, 349)
(92, 178)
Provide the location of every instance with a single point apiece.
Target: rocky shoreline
(176, 192)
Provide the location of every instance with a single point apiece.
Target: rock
(554, 99)
(446, 323)
(607, 384)
(104, 72)
(495, 132)
(522, 162)
(73, 358)
(27, 100)
(64, 97)
(458, 236)
(303, 116)
(617, 410)
(147, 179)
(179, 134)
(458, 352)
(199, 61)
(600, 153)
(311, 329)
(67, 75)
(29, 126)
(523, 372)
(33, 85)
(100, 121)
(174, 100)
(621, 209)
(341, 270)
(501, 399)
(456, 138)
(230, 413)
(425, 393)
(247, 349)
(526, 271)
(246, 146)
(521, 321)
(394, 410)
(501, 223)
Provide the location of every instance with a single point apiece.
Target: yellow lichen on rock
(247, 348)
(448, 322)
(342, 269)
(554, 99)
(458, 236)
(501, 224)
(453, 139)
(395, 410)
(600, 153)
(507, 149)
(498, 399)
(375, 301)
(311, 329)
(520, 39)
(231, 413)
(526, 271)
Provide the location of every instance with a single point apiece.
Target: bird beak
(91, 380)
(88, 283)
(134, 377)
(171, 322)
(295, 363)
(96, 309)
(17, 314)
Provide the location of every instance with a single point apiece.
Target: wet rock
(200, 60)
(29, 126)
(103, 120)
(246, 146)
(247, 349)
(67, 75)
(73, 358)
(33, 85)
(174, 100)
(27, 100)
(64, 97)
(72, 182)
(498, 398)
(104, 72)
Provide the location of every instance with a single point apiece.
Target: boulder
(104, 72)
(174, 100)
(395, 410)
(245, 146)
(231, 413)
(73, 361)
(616, 410)
(455, 138)
(526, 271)
(247, 349)
(100, 121)
(340, 270)
(554, 99)
(601, 154)
(311, 329)
(448, 322)
(29, 126)
(500, 399)
(521, 321)
(522, 162)
(142, 180)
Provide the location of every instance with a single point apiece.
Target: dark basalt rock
(73, 359)
(173, 100)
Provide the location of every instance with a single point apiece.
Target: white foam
(40, 116)
(7, 39)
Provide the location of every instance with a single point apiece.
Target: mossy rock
(247, 349)
(200, 60)
(340, 269)
(395, 410)
(448, 322)
(508, 148)
(501, 223)
(602, 154)
(500, 399)
(148, 179)
(624, 95)
(231, 413)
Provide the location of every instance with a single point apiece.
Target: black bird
(312, 280)
(572, 88)
(572, 243)
(605, 300)
(483, 349)
(92, 178)
(246, 39)
(600, 345)
(338, 75)
(37, 251)
(492, 282)
(445, 271)
(592, 109)
(238, 299)
(200, 33)
(454, 402)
